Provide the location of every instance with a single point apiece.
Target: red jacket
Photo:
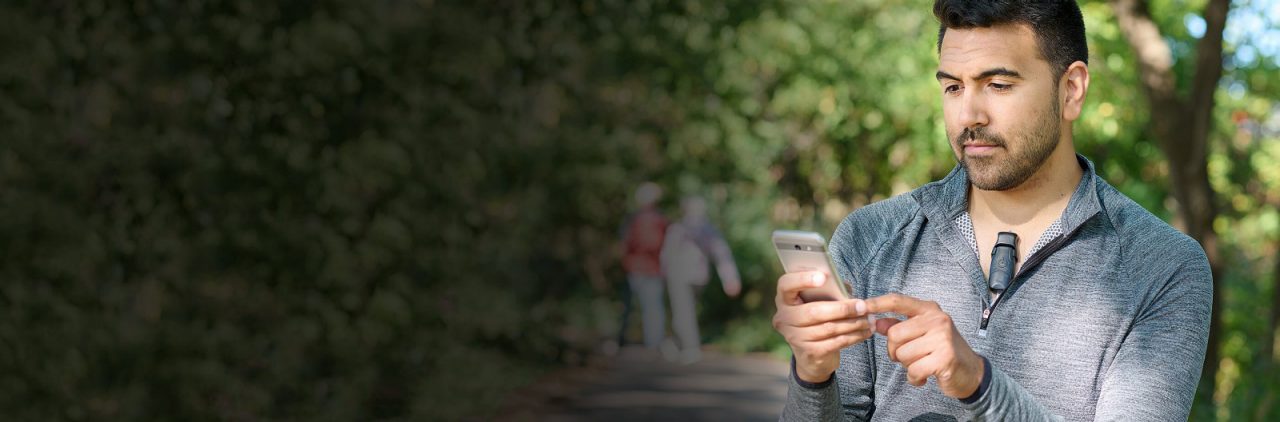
(642, 238)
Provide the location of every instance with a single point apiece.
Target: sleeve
(811, 402)
(1006, 400)
(849, 395)
(846, 396)
(1156, 371)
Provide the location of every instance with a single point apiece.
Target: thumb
(883, 325)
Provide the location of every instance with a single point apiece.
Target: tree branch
(1204, 82)
(1209, 52)
(1155, 59)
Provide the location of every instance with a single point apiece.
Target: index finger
(790, 285)
(897, 303)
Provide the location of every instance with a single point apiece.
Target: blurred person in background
(692, 244)
(642, 236)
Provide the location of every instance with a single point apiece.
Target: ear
(1073, 87)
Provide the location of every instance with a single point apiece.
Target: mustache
(981, 133)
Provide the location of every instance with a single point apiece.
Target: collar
(946, 199)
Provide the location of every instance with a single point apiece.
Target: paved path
(637, 386)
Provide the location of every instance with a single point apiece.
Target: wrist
(814, 377)
(810, 377)
(983, 381)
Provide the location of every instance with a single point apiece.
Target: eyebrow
(999, 71)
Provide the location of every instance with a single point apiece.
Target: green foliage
(332, 211)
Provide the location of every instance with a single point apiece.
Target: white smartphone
(807, 251)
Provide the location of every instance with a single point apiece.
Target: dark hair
(1058, 26)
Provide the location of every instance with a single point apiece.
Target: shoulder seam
(902, 225)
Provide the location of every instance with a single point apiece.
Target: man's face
(1000, 103)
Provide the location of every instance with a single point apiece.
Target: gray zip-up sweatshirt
(1107, 321)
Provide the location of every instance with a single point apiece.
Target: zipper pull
(986, 314)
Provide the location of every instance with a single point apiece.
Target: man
(1106, 315)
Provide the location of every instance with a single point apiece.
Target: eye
(951, 89)
(1000, 86)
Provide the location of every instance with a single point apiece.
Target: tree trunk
(1269, 354)
(1181, 126)
(1270, 359)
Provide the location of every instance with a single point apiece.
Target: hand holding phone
(816, 313)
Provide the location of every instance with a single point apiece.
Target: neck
(1044, 194)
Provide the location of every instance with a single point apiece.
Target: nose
(973, 110)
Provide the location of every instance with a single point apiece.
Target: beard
(1003, 173)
